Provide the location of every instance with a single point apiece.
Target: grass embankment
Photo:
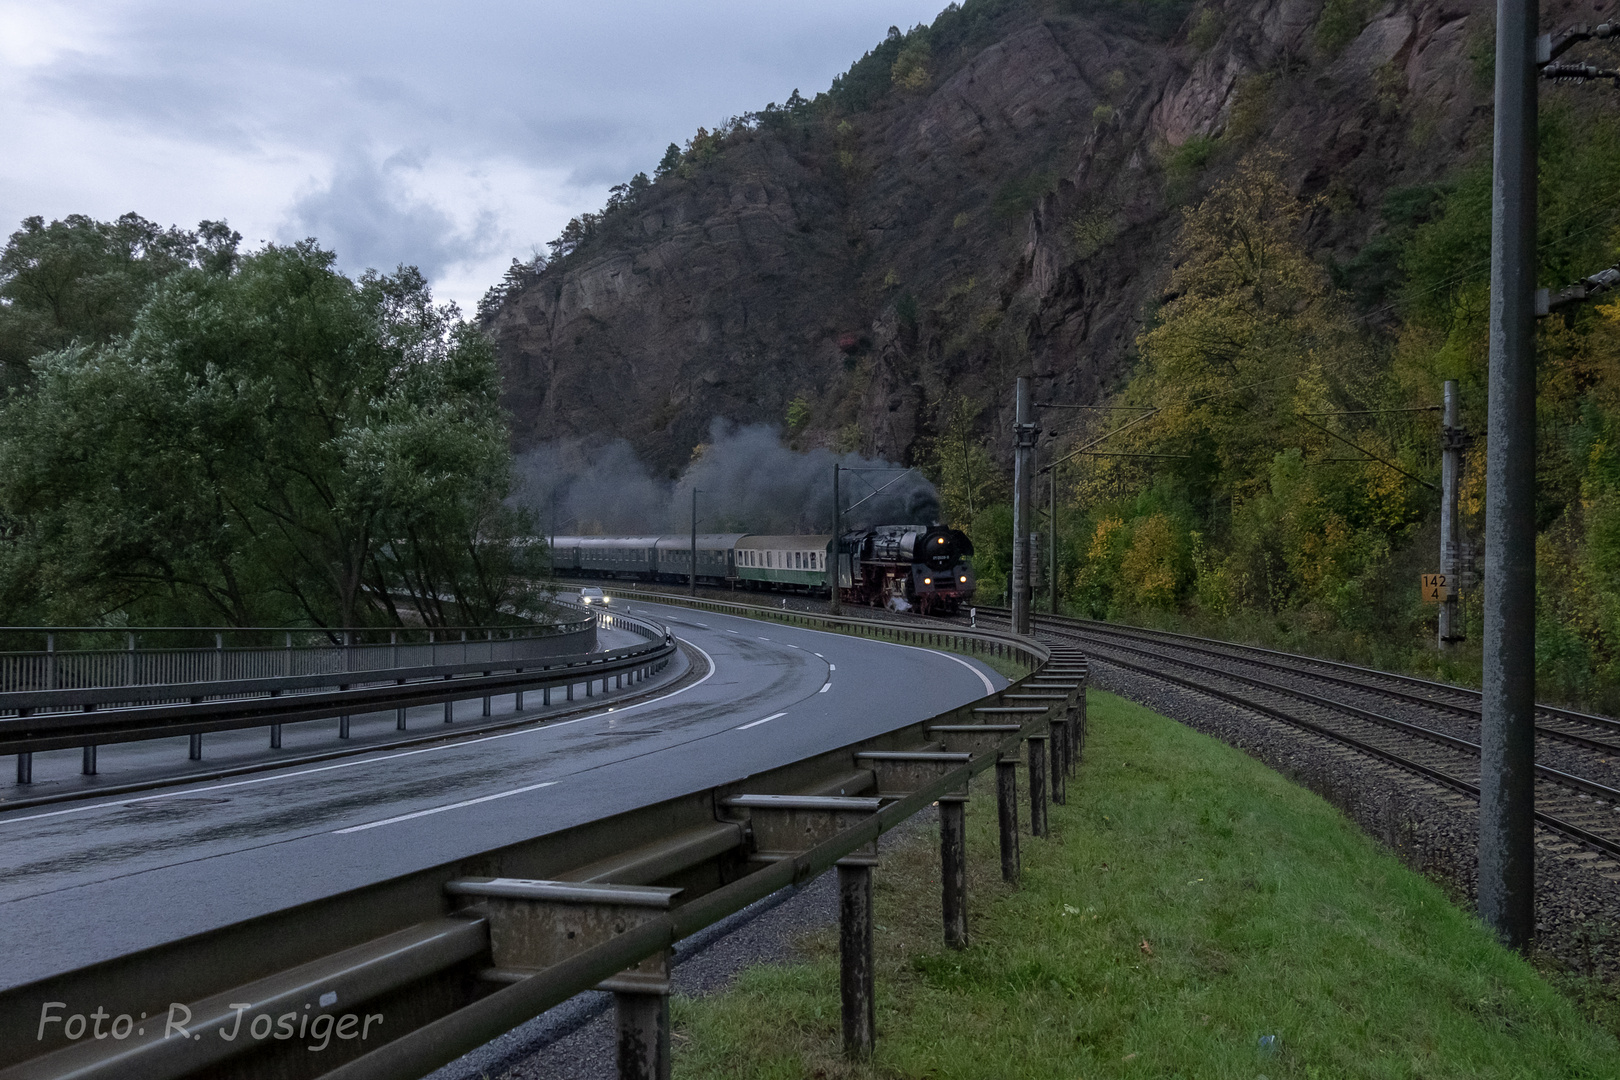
(1189, 902)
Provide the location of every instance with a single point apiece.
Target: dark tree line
(197, 435)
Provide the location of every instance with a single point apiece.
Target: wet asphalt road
(93, 880)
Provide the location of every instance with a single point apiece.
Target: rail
(1563, 798)
(444, 960)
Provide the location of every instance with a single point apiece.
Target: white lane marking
(826, 686)
(442, 809)
(702, 624)
(822, 657)
(731, 631)
(372, 760)
(832, 667)
(767, 720)
(764, 639)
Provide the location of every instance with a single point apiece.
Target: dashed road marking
(369, 759)
(756, 723)
(442, 809)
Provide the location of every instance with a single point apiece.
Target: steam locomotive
(903, 567)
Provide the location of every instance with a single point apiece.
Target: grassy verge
(1189, 903)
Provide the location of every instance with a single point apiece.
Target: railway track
(1428, 729)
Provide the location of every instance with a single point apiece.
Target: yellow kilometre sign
(1435, 588)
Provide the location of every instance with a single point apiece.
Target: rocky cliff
(995, 195)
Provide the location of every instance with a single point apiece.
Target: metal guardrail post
(1060, 760)
(87, 764)
(856, 982)
(348, 655)
(953, 869)
(25, 768)
(643, 1023)
(1037, 785)
(194, 751)
(1080, 729)
(491, 638)
(1007, 816)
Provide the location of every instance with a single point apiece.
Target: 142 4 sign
(1436, 587)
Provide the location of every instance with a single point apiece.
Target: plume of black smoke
(747, 481)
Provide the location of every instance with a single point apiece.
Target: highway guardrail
(393, 979)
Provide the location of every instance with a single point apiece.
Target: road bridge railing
(140, 657)
(33, 721)
(412, 972)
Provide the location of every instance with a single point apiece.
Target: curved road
(106, 877)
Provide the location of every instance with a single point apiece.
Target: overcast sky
(451, 136)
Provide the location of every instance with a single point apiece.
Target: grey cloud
(547, 82)
(576, 96)
(367, 215)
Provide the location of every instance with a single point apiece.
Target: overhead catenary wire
(1372, 456)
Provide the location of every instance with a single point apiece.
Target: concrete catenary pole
(1450, 539)
(1023, 447)
(834, 602)
(1507, 734)
(1052, 537)
(694, 541)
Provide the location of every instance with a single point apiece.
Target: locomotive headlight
(964, 581)
(928, 581)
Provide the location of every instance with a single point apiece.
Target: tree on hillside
(670, 161)
(1254, 342)
(1254, 334)
(960, 465)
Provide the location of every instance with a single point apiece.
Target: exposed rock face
(1015, 216)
